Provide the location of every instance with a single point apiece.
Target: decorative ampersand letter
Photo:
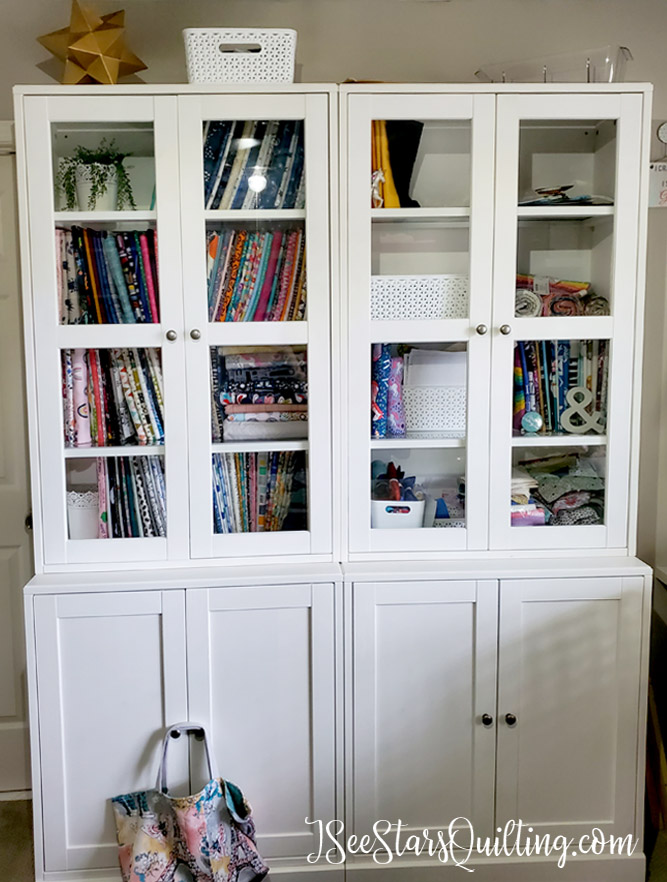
(579, 398)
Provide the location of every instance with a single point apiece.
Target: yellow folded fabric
(391, 199)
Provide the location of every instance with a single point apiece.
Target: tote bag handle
(174, 732)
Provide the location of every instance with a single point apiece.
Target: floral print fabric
(210, 834)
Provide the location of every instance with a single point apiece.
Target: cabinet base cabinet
(434, 701)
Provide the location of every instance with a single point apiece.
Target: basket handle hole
(248, 48)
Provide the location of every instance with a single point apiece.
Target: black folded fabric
(403, 137)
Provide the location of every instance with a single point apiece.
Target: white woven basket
(396, 298)
(271, 60)
(435, 411)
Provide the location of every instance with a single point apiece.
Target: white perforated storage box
(240, 55)
(435, 411)
(401, 298)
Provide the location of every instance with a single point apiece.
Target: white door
(142, 501)
(248, 246)
(418, 278)
(15, 550)
(568, 698)
(424, 704)
(110, 678)
(261, 675)
(565, 284)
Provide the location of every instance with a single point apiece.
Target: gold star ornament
(92, 47)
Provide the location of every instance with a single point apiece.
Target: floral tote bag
(207, 837)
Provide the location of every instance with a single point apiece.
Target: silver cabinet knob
(481, 330)
(171, 336)
(505, 329)
(195, 333)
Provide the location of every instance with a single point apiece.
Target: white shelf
(421, 214)
(564, 212)
(257, 446)
(94, 452)
(257, 333)
(421, 331)
(256, 214)
(412, 443)
(559, 441)
(103, 217)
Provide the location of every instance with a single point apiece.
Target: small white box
(388, 514)
(435, 411)
(240, 55)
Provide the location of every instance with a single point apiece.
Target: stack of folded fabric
(260, 394)
(558, 490)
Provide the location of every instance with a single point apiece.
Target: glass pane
(103, 166)
(560, 387)
(253, 164)
(558, 486)
(564, 267)
(259, 492)
(418, 390)
(417, 487)
(567, 162)
(259, 393)
(256, 273)
(116, 497)
(420, 270)
(112, 397)
(419, 164)
(107, 275)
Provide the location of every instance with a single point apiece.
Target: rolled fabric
(395, 413)
(527, 304)
(596, 304)
(381, 368)
(563, 303)
(80, 397)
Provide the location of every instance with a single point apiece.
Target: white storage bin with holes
(388, 514)
(401, 298)
(240, 55)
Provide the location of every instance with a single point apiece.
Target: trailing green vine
(102, 163)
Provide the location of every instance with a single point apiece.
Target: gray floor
(16, 841)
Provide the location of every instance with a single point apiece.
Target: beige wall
(409, 40)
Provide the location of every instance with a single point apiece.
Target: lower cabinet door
(261, 672)
(110, 677)
(569, 675)
(424, 679)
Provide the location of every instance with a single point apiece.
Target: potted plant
(96, 179)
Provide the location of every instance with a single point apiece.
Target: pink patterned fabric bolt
(210, 834)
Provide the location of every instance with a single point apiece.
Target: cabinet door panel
(569, 671)
(111, 676)
(419, 279)
(285, 352)
(261, 676)
(562, 363)
(424, 673)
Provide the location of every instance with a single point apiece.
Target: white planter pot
(106, 201)
(83, 514)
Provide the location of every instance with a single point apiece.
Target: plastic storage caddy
(605, 65)
(388, 514)
(240, 55)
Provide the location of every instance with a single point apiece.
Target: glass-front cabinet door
(564, 314)
(255, 192)
(417, 356)
(105, 271)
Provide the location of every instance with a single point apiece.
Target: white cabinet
(424, 682)
(497, 701)
(257, 665)
(491, 331)
(568, 672)
(179, 346)
(111, 675)
(261, 671)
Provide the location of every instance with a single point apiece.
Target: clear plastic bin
(604, 65)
